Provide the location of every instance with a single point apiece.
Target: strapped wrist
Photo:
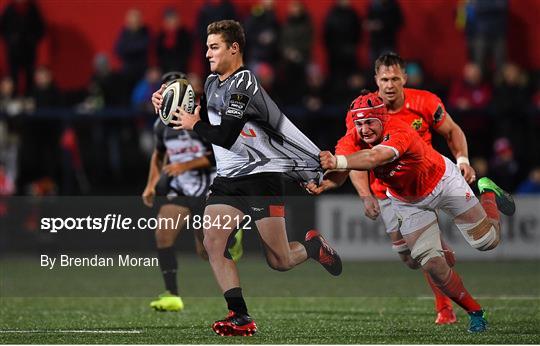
(341, 162)
(462, 159)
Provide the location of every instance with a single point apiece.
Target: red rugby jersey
(415, 172)
(422, 110)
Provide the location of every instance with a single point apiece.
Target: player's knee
(437, 268)
(164, 239)
(213, 244)
(401, 248)
(483, 235)
(427, 246)
(409, 261)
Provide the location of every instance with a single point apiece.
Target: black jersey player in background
(181, 185)
(255, 146)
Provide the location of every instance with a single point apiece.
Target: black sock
(168, 265)
(312, 248)
(235, 301)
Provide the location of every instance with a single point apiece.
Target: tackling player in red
(422, 111)
(419, 181)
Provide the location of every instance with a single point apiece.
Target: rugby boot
(446, 316)
(328, 257)
(478, 322)
(167, 302)
(235, 324)
(505, 202)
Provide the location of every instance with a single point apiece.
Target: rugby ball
(178, 93)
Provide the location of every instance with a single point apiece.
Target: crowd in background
(495, 101)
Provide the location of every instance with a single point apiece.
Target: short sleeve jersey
(183, 146)
(422, 110)
(268, 142)
(415, 171)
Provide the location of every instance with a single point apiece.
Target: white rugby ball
(178, 93)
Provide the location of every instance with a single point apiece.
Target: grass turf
(372, 302)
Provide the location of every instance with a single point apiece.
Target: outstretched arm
(361, 160)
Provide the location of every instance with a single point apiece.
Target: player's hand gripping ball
(178, 93)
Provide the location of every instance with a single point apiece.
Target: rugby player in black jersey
(255, 146)
(181, 170)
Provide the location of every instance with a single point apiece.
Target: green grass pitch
(371, 302)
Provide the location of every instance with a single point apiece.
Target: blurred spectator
(22, 27)
(105, 88)
(415, 75)
(513, 93)
(9, 150)
(315, 96)
(383, 23)
(504, 168)
(174, 43)
(212, 11)
(470, 92)
(531, 185)
(132, 48)
(45, 93)
(511, 103)
(8, 103)
(7, 182)
(342, 29)
(417, 79)
(141, 98)
(486, 28)
(262, 35)
(295, 47)
(265, 76)
(481, 167)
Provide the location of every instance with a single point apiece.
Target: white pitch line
(73, 331)
(494, 297)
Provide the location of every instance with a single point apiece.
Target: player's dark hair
(230, 30)
(169, 76)
(389, 59)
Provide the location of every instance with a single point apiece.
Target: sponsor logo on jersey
(237, 105)
(250, 133)
(417, 124)
(386, 137)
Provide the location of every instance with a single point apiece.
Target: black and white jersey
(268, 141)
(183, 146)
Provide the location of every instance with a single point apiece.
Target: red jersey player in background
(419, 181)
(423, 111)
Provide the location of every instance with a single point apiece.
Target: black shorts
(259, 195)
(167, 195)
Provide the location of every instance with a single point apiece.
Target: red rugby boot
(446, 316)
(235, 325)
(328, 257)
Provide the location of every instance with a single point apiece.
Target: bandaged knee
(428, 245)
(481, 235)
